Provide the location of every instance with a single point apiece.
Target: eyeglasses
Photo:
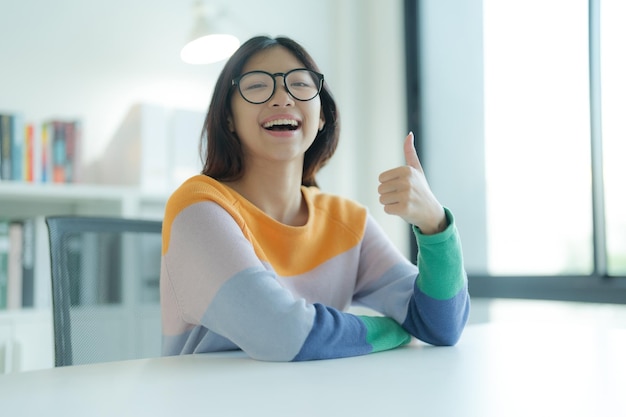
(257, 87)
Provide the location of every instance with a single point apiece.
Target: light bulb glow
(209, 49)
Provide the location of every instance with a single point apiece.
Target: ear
(322, 122)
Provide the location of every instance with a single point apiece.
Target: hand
(405, 192)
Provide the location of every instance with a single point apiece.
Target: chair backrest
(105, 288)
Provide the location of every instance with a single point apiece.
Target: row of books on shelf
(19, 286)
(48, 152)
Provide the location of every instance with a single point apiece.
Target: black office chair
(105, 288)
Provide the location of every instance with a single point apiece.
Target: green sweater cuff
(384, 333)
(437, 237)
(440, 262)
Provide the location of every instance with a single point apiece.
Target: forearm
(265, 321)
(440, 305)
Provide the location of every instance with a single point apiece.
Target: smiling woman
(256, 257)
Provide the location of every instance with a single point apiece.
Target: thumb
(410, 154)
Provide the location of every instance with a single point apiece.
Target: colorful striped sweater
(234, 278)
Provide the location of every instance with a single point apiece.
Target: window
(538, 187)
(537, 154)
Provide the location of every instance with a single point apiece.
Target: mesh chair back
(105, 288)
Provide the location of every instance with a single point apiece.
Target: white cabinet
(26, 340)
(26, 336)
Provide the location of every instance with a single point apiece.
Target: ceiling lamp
(207, 43)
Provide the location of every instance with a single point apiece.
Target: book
(47, 133)
(37, 155)
(5, 147)
(42, 288)
(73, 150)
(69, 135)
(17, 147)
(14, 266)
(60, 150)
(4, 262)
(29, 159)
(28, 262)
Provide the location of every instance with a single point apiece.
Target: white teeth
(280, 122)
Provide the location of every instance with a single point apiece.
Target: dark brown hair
(221, 148)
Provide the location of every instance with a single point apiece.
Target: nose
(281, 96)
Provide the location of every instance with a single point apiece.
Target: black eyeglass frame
(320, 76)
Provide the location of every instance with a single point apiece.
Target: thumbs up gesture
(405, 192)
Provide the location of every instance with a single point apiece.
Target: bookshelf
(42, 173)
(26, 335)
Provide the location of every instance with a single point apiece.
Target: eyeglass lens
(258, 87)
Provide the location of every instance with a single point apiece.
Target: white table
(495, 370)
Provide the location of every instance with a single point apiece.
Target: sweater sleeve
(430, 300)
(212, 279)
(439, 308)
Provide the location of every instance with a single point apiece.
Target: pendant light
(207, 44)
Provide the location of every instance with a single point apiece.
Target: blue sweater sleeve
(274, 326)
(439, 307)
(337, 334)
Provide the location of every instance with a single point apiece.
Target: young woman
(256, 257)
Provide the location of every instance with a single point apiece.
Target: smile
(281, 124)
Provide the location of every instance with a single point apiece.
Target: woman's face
(282, 128)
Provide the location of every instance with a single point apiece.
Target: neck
(276, 192)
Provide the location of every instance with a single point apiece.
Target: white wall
(94, 59)
(368, 68)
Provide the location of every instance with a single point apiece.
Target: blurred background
(516, 132)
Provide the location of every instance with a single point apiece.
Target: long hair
(221, 149)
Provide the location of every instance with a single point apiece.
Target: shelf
(26, 314)
(20, 200)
